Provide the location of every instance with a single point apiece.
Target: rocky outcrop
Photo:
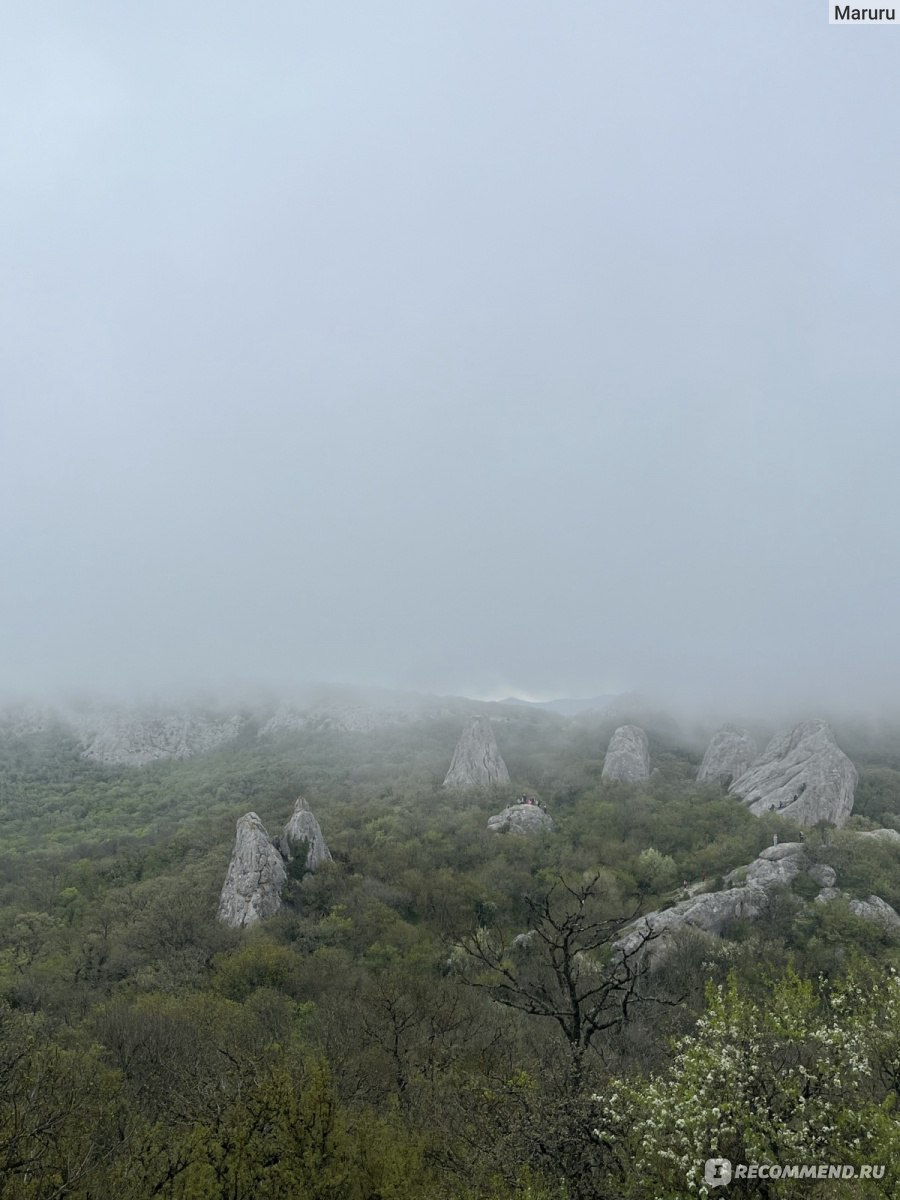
(255, 878)
(803, 775)
(728, 756)
(303, 829)
(476, 760)
(748, 894)
(521, 818)
(627, 756)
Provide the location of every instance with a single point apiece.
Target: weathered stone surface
(873, 908)
(627, 756)
(728, 756)
(747, 895)
(142, 736)
(711, 912)
(256, 875)
(823, 875)
(521, 818)
(476, 760)
(303, 827)
(776, 866)
(804, 775)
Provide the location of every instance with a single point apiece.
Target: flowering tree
(806, 1077)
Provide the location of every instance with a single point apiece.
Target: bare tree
(569, 968)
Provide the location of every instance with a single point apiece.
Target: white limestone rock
(748, 896)
(304, 828)
(728, 756)
(710, 912)
(521, 818)
(803, 775)
(255, 878)
(476, 760)
(776, 866)
(873, 908)
(823, 875)
(627, 756)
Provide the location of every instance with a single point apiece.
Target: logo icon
(717, 1172)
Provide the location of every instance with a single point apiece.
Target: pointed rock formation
(628, 755)
(521, 818)
(803, 775)
(304, 828)
(476, 760)
(256, 875)
(728, 756)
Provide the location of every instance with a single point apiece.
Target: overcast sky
(474, 346)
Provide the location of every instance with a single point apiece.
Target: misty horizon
(540, 352)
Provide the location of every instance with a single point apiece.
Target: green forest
(440, 1012)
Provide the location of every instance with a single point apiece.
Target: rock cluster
(802, 774)
(627, 756)
(521, 818)
(728, 756)
(476, 759)
(256, 873)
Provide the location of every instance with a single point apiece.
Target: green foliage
(656, 872)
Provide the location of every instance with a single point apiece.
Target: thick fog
(457, 346)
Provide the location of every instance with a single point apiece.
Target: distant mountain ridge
(139, 733)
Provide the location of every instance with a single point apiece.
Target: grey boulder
(823, 875)
(873, 908)
(521, 818)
